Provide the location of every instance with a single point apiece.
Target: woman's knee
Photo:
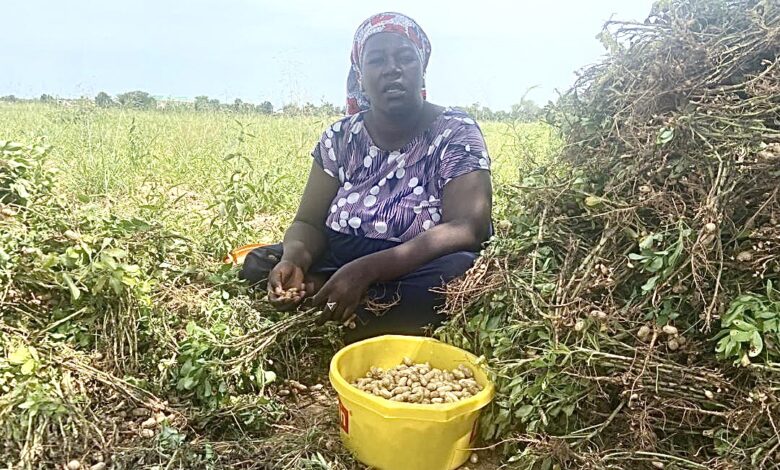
(443, 269)
(456, 264)
(259, 263)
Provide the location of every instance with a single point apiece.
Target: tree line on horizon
(524, 111)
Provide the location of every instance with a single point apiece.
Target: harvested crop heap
(630, 304)
(420, 383)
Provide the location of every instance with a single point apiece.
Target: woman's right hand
(285, 277)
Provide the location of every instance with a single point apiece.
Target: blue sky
(283, 51)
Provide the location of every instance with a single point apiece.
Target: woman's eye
(375, 61)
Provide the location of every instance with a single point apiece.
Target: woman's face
(392, 74)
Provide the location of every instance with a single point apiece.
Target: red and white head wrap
(387, 22)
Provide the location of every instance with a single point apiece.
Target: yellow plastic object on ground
(391, 435)
(237, 256)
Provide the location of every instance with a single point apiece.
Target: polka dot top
(396, 195)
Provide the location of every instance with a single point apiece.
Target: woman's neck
(393, 132)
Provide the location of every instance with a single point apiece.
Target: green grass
(178, 165)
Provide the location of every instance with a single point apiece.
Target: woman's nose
(392, 67)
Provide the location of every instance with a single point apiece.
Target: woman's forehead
(381, 42)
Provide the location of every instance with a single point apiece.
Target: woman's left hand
(341, 296)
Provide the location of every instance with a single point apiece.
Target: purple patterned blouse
(396, 195)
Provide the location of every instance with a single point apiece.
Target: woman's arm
(465, 225)
(466, 210)
(305, 240)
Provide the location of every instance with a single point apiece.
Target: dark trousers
(415, 307)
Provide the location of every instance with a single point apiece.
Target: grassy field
(116, 307)
(128, 160)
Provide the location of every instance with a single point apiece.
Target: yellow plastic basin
(390, 435)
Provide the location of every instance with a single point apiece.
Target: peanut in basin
(420, 383)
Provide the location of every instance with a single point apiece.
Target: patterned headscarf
(387, 22)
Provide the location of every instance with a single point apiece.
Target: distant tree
(9, 98)
(500, 115)
(240, 107)
(479, 112)
(104, 100)
(201, 102)
(291, 109)
(136, 99)
(46, 98)
(329, 109)
(265, 108)
(526, 110)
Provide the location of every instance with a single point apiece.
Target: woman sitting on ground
(397, 202)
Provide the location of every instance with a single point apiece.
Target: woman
(397, 202)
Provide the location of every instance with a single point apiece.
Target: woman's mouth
(394, 90)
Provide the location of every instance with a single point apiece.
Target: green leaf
(187, 383)
(733, 349)
(734, 313)
(117, 253)
(99, 285)
(676, 253)
(756, 344)
(744, 325)
(524, 411)
(767, 314)
(116, 285)
(48, 261)
(756, 455)
(28, 367)
(27, 404)
(656, 265)
(647, 242)
(650, 284)
(665, 136)
(593, 201)
(109, 262)
(741, 336)
(75, 293)
(269, 376)
(19, 356)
